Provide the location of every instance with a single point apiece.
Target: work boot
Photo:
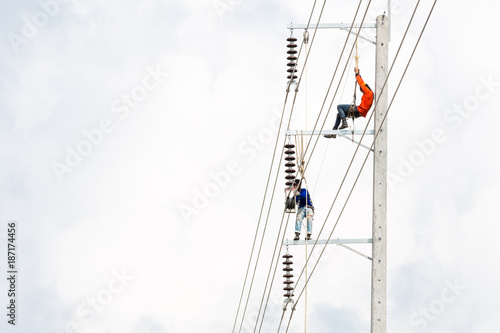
(297, 236)
(308, 237)
(344, 124)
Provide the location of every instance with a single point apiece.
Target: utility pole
(379, 227)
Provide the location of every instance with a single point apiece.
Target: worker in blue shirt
(306, 210)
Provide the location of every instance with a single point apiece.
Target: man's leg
(337, 122)
(310, 214)
(341, 113)
(343, 109)
(298, 222)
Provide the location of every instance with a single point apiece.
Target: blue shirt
(304, 199)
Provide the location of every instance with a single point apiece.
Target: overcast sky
(136, 142)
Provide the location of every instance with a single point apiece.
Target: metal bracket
(355, 251)
(359, 36)
(323, 132)
(337, 241)
(331, 26)
(341, 26)
(352, 140)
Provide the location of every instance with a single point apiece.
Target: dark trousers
(343, 110)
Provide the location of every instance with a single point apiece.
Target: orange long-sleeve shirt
(366, 99)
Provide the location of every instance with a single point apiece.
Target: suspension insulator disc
(288, 282)
(288, 288)
(288, 184)
(289, 145)
(291, 39)
(288, 269)
(287, 256)
(291, 64)
(287, 262)
(289, 177)
(291, 51)
(289, 152)
(289, 165)
(292, 70)
(291, 45)
(290, 171)
(290, 158)
(292, 58)
(288, 295)
(290, 77)
(288, 275)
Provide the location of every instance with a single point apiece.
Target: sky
(137, 139)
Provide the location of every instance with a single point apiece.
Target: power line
(368, 122)
(265, 194)
(278, 168)
(328, 143)
(345, 44)
(378, 131)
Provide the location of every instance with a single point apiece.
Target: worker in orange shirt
(360, 110)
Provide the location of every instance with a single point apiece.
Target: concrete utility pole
(379, 227)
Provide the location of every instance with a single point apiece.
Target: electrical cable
(345, 44)
(371, 116)
(335, 72)
(266, 190)
(279, 165)
(378, 131)
(328, 143)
